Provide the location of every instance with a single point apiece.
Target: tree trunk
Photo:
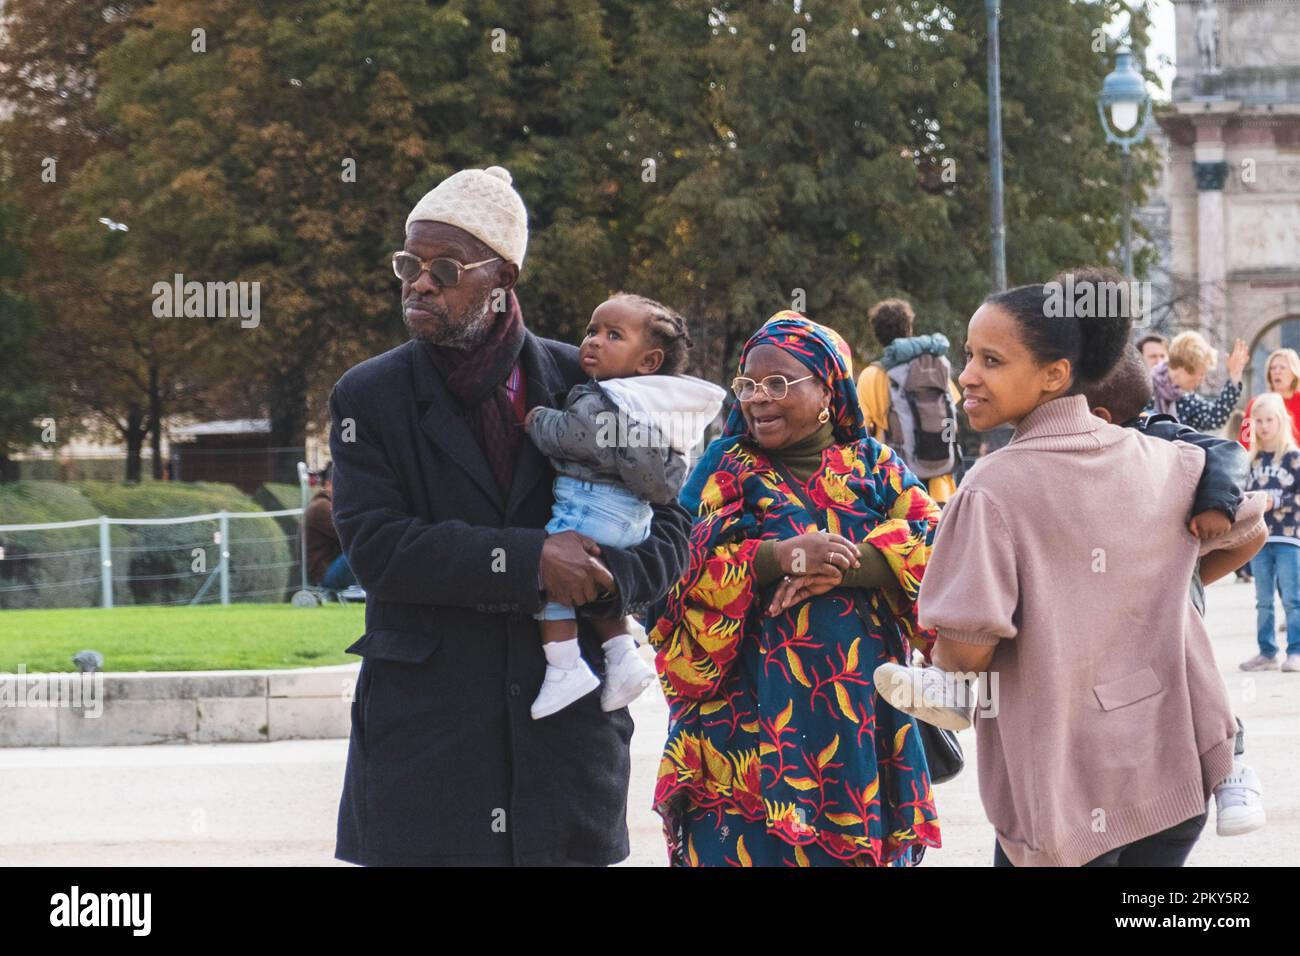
(134, 441)
(288, 401)
(155, 420)
(8, 468)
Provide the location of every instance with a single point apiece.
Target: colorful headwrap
(826, 355)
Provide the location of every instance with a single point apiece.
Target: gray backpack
(922, 417)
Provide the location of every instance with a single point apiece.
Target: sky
(1162, 46)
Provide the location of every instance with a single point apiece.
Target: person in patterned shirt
(1275, 468)
(1177, 379)
(809, 545)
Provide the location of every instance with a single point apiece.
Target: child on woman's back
(1119, 399)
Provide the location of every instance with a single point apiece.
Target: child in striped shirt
(1275, 470)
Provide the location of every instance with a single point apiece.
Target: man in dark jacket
(440, 502)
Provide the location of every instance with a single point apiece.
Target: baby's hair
(1125, 391)
(666, 330)
(1092, 344)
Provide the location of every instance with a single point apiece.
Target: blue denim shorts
(605, 512)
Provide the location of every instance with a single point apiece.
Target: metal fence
(197, 559)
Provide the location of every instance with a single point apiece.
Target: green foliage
(157, 563)
(25, 379)
(238, 637)
(49, 568)
(152, 564)
(705, 154)
(276, 496)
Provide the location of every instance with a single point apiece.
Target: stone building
(1233, 127)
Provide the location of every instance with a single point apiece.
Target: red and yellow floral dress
(780, 751)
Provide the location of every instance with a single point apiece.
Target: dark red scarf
(477, 379)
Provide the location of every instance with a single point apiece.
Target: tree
(25, 386)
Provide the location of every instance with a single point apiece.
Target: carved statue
(1207, 36)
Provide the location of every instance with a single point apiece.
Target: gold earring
(825, 416)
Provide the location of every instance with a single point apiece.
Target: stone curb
(169, 707)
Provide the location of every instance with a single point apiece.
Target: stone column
(1211, 169)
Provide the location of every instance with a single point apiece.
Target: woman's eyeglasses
(446, 272)
(775, 387)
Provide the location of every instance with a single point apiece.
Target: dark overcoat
(445, 764)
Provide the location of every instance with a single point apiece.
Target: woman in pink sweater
(1060, 572)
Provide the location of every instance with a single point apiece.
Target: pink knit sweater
(1069, 551)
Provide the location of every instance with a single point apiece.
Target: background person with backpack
(909, 398)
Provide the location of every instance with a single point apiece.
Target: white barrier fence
(188, 560)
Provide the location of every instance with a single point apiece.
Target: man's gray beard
(471, 333)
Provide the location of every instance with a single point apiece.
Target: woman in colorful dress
(807, 552)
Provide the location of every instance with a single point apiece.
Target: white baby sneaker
(625, 680)
(561, 687)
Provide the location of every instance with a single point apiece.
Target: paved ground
(275, 803)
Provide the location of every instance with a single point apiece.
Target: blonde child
(1275, 470)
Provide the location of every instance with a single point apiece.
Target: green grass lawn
(205, 637)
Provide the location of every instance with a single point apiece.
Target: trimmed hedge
(169, 564)
(49, 568)
(273, 496)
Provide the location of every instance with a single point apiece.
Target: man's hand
(1210, 524)
(571, 573)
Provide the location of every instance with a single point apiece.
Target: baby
(618, 446)
(934, 696)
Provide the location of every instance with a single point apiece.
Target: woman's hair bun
(1104, 305)
(1083, 315)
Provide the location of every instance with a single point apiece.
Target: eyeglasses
(446, 272)
(775, 387)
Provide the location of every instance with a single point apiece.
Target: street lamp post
(997, 228)
(1124, 94)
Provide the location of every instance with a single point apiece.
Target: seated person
(327, 565)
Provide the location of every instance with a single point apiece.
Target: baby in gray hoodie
(618, 446)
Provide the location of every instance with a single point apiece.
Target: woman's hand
(796, 588)
(817, 552)
(1237, 359)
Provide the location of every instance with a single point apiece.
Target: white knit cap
(484, 204)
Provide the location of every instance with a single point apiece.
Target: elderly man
(440, 501)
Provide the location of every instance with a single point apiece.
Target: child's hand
(528, 419)
(1210, 524)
